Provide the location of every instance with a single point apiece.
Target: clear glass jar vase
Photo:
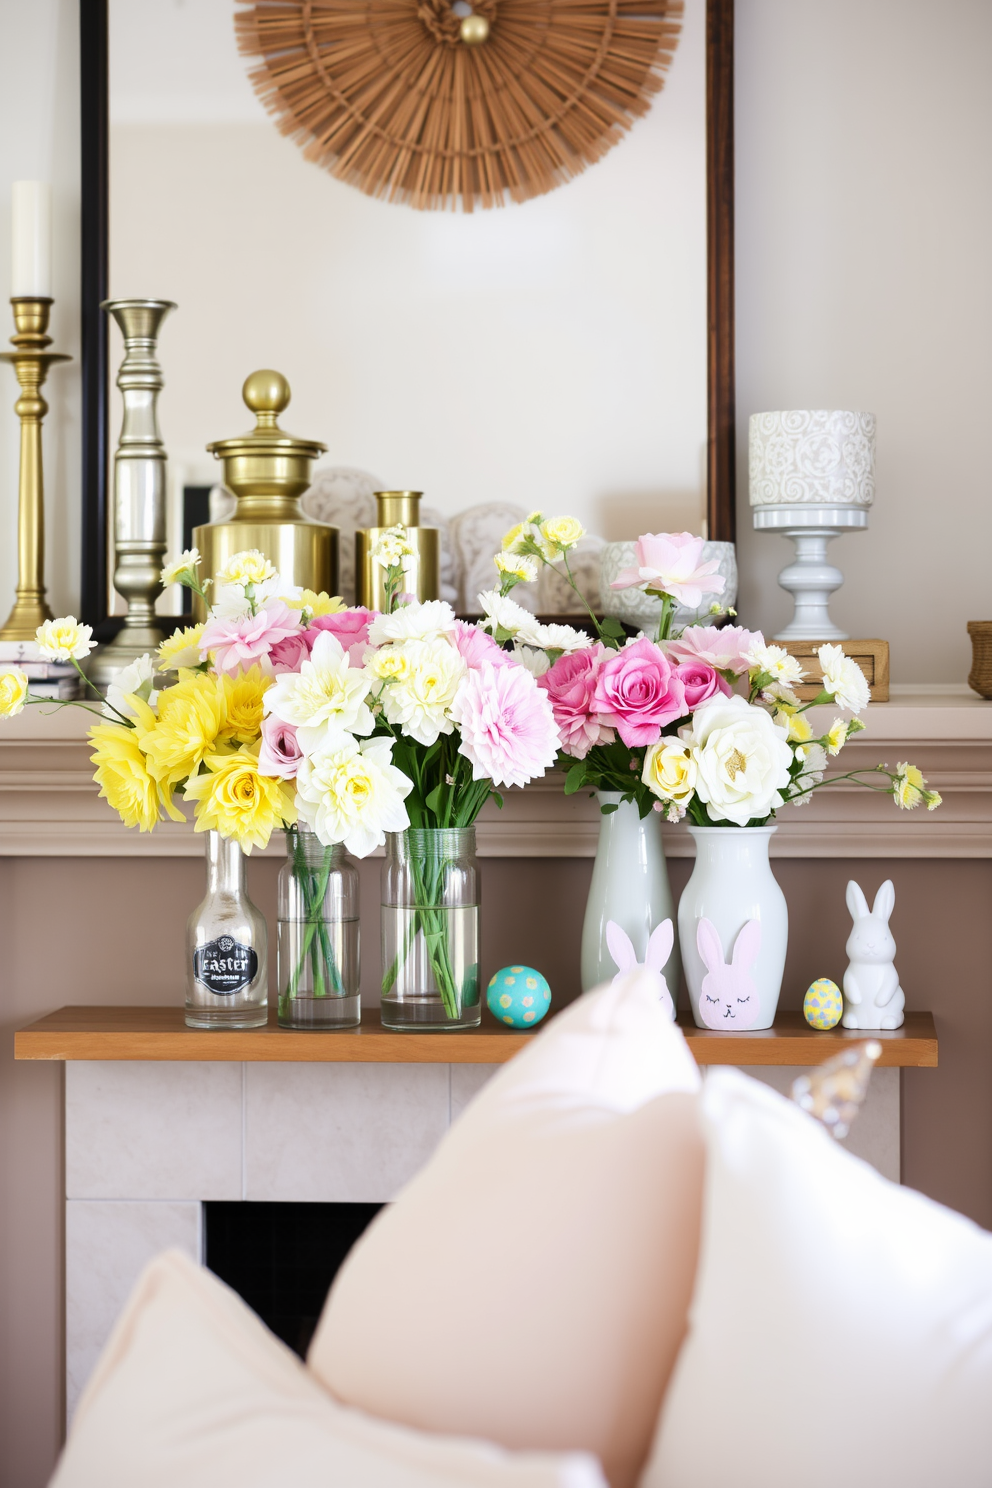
(318, 960)
(227, 976)
(430, 930)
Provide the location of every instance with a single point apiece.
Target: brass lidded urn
(422, 568)
(268, 470)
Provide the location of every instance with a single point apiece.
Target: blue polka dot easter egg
(823, 1004)
(518, 996)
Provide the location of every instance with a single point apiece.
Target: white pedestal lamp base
(810, 579)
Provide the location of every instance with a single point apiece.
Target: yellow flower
(190, 717)
(182, 568)
(837, 737)
(123, 777)
(236, 801)
(13, 691)
(390, 664)
(562, 533)
(65, 639)
(511, 538)
(909, 787)
(797, 726)
(317, 604)
(249, 567)
(519, 566)
(242, 702)
(670, 771)
(181, 649)
(934, 799)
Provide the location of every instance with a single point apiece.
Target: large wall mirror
(573, 353)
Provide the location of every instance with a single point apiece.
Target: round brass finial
(266, 391)
(474, 30)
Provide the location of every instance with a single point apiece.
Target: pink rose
(721, 647)
(700, 682)
(279, 754)
(351, 627)
(287, 655)
(571, 688)
(669, 563)
(238, 643)
(638, 693)
(477, 648)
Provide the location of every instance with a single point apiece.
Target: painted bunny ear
(885, 901)
(708, 945)
(747, 945)
(621, 946)
(660, 945)
(856, 901)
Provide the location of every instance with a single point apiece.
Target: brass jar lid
(267, 394)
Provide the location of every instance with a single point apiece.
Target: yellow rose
(562, 533)
(65, 639)
(242, 703)
(123, 777)
(236, 801)
(249, 567)
(669, 771)
(13, 692)
(181, 649)
(191, 714)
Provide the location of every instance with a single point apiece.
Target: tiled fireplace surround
(147, 1143)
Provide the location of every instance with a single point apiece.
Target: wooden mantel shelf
(159, 1033)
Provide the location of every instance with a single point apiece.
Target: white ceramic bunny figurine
(728, 998)
(873, 997)
(658, 951)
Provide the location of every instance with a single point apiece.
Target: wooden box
(872, 657)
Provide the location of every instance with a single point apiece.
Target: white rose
(419, 700)
(742, 759)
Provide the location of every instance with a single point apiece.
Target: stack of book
(46, 679)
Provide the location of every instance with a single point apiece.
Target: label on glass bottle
(224, 965)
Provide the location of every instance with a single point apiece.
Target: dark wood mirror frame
(94, 137)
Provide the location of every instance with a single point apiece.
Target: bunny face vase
(659, 949)
(873, 997)
(732, 884)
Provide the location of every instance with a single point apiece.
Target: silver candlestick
(139, 489)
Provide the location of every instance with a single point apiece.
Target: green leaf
(609, 808)
(575, 778)
(495, 795)
(611, 626)
(433, 801)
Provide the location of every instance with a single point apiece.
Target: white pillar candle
(32, 240)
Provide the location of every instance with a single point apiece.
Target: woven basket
(980, 676)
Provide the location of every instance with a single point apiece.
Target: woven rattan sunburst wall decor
(431, 103)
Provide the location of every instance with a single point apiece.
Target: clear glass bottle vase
(318, 959)
(430, 930)
(227, 975)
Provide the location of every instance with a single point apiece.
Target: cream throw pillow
(841, 1328)
(531, 1284)
(192, 1391)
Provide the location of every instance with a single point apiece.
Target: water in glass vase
(318, 957)
(430, 930)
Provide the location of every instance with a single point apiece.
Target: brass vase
(268, 470)
(421, 569)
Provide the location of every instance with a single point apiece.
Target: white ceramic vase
(732, 882)
(630, 886)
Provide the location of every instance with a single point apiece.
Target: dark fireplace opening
(282, 1258)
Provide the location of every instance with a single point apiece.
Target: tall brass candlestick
(30, 363)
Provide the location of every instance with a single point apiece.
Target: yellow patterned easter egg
(823, 1004)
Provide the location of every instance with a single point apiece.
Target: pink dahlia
(669, 563)
(279, 754)
(476, 647)
(571, 688)
(700, 682)
(238, 643)
(508, 730)
(351, 627)
(638, 693)
(723, 648)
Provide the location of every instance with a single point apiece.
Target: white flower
(419, 700)
(247, 567)
(559, 638)
(229, 603)
(844, 678)
(522, 566)
(65, 639)
(670, 773)
(184, 566)
(742, 759)
(392, 547)
(181, 649)
(777, 693)
(814, 757)
(506, 615)
(325, 698)
(534, 660)
(526, 538)
(353, 793)
(134, 680)
(776, 662)
(413, 622)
